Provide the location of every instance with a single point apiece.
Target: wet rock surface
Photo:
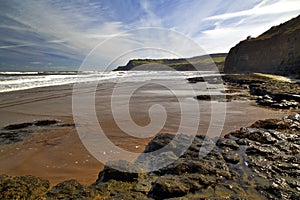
(267, 91)
(257, 162)
(208, 79)
(16, 132)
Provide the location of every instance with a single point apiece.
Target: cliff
(203, 63)
(275, 51)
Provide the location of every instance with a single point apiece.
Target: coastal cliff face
(203, 63)
(275, 51)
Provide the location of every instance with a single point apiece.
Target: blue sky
(58, 35)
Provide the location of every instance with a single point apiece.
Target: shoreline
(56, 103)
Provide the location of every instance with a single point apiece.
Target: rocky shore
(264, 90)
(256, 162)
(16, 132)
(267, 91)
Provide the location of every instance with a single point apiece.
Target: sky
(44, 35)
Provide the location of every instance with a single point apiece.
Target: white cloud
(263, 8)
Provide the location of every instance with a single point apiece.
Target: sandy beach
(57, 154)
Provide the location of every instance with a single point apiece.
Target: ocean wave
(14, 81)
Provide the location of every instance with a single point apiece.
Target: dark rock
(230, 191)
(22, 187)
(158, 142)
(214, 97)
(15, 132)
(231, 157)
(176, 186)
(144, 184)
(201, 166)
(17, 126)
(288, 147)
(196, 79)
(112, 188)
(111, 172)
(130, 195)
(255, 134)
(46, 122)
(278, 189)
(9, 137)
(294, 117)
(28, 124)
(267, 124)
(66, 125)
(222, 142)
(208, 79)
(263, 150)
(72, 190)
(282, 104)
(243, 141)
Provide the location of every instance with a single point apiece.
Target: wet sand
(57, 154)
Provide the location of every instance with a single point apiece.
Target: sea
(14, 81)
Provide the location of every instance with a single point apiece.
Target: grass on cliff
(286, 28)
(218, 59)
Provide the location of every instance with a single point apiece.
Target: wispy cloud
(14, 46)
(265, 7)
(64, 32)
(232, 27)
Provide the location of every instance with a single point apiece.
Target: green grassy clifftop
(205, 62)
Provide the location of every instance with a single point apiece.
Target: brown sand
(57, 154)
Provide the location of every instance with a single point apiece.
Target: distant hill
(275, 51)
(203, 63)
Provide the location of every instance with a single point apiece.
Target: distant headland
(204, 63)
